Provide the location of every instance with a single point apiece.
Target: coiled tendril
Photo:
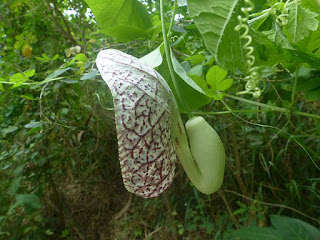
(253, 78)
(282, 18)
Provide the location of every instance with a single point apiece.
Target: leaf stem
(168, 54)
(230, 112)
(294, 90)
(33, 83)
(172, 18)
(273, 108)
(278, 109)
(306, 114)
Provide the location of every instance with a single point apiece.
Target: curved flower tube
(150, 131)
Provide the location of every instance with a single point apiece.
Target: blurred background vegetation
(59, 171)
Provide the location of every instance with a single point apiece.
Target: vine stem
(273, 108)
(278, 109)
(271, 204)
(230, 112)
(168, 54)
(33, 83)
(172, 18)
(294, 90)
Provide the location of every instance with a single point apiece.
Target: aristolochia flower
(150, 131)
(143, 105)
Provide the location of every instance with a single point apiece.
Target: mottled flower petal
(144, 107)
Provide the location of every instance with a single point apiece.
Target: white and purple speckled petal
(143, 106)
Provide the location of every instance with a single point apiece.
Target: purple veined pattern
(144, 108)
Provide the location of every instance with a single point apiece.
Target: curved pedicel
(150, 131)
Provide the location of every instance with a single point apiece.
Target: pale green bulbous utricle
(204, 163)
(208, 152)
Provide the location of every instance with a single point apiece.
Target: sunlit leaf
(57, 73)
(191, 97)
(33, 125)
(154, 58)
(28, 200)
(216, 21)
(14, 186)
(300, 22)
(90, 75)
(294, 229)
(276, 36)
(123, 19)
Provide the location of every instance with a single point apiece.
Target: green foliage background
(59, 170)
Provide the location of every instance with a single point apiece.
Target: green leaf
(182, 74)
(255, 233)
(18, 170)
(294, 229)
(215, 76)
(18, 77)
(49, 232)
(313, 95)
(46, 57)
(301, 56)
(216, 21)
(216, 79)
(196, 70)
(196, 59)
(63, 111)
(200, 82)
(300, 22)
(54, 57)
(276, 36)
(33, 130)
(312, 43)
(29, 73)
(310, 84)
(259, 19)
(33, 125)
(57, 73)
(2, 218)
(241, 210)
(154, 58)
(81, 57)
(193, 98)
(90, 75)
(225, 84)
(40, 59)
(14, 186)
(1, 86)
(30, 201)
(27, 96)
(8, 130)
(123, 19)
